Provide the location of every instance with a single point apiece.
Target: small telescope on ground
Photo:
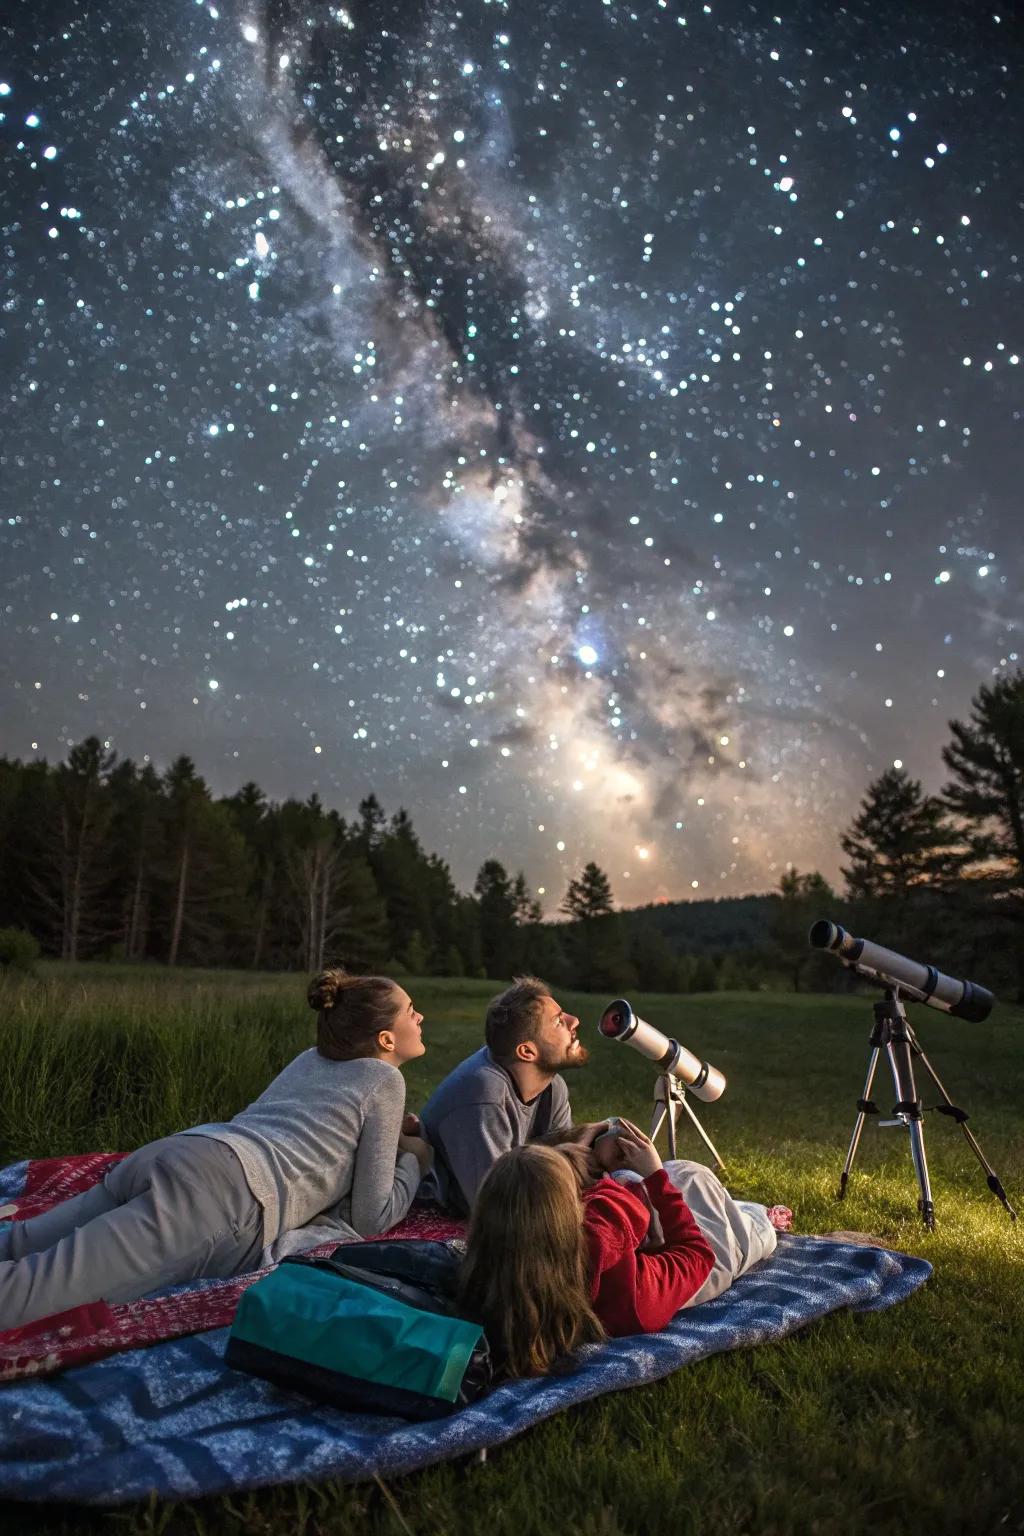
(619, 1022)
(679, 1071)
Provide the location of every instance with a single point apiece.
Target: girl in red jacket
(549, 1267)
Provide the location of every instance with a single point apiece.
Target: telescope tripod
(893, 1034)
(669, 1099)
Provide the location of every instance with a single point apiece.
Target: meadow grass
(909, 1420)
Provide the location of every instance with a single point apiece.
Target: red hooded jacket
(634, 1292)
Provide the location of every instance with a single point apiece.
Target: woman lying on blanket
(558, 1256)
(326, 1134)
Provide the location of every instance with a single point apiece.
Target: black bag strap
(542, 1119)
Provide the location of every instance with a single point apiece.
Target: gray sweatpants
(178, 1209)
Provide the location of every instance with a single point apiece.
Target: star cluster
(596, 427)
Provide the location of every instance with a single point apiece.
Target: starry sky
(595, 427)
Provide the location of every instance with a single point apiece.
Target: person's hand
(638, 1151)
(420, 1149)
(411, 1125)
(592, 1132)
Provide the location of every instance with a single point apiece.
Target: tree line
(101, 857)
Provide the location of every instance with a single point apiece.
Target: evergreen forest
(104, 858)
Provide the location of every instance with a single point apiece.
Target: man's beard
(578, 1058)
(575, 1056)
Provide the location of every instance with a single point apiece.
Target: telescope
(892, 1033)
(619, 1022)
(922, 983)
(679, 1071)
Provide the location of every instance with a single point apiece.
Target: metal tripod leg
(908, 1108)
(664, 1110)
(991, 1177)
(858, 1124)
(702, 1133)
(925, 1204)
(669, 1098)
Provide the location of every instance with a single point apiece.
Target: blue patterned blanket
(174, 1420)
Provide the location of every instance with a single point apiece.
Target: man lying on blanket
(506, 1094)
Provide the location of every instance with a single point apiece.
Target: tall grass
(116, 1063)
(908, 1421)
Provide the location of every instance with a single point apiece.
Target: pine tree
(12, 777)
(657, 968)
(589, 896)
(466, 931)
(598, 952)
(986, 759)
(900, 840)
(543, 948)
(74, 871)
(803, 899)
(206, 870)
(314, 861)
(371, 824)
(259, 825)
(596, 941)
(497, 906)
(453, 964)
(187, 797)
(986, 795)
(527, 907)
(136, 836)
(415, 955)
(359, 917)
(443, 903)
(27, 804)
(407, 882)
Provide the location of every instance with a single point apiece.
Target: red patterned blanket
(90, 1332)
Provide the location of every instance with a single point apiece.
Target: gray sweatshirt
(324, 1135)
(474, 1116)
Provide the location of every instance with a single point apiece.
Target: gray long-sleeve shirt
(324, 1135)
(474, 1116)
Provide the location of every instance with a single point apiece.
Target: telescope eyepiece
(823, 934)
(826, 935)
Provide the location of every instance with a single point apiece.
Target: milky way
(596, 429)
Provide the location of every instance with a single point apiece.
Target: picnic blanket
(174, 1420)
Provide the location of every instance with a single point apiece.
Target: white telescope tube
(619, 1022)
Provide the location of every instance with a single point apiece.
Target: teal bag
(369, 1328)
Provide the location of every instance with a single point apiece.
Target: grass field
(910, 1420)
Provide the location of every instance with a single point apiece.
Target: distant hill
(700, 927)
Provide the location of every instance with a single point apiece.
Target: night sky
(595, 428)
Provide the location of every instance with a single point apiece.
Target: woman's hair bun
(323, 989)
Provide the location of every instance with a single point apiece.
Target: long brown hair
(568, 1143)
(525, 1276)
(351, 1012)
